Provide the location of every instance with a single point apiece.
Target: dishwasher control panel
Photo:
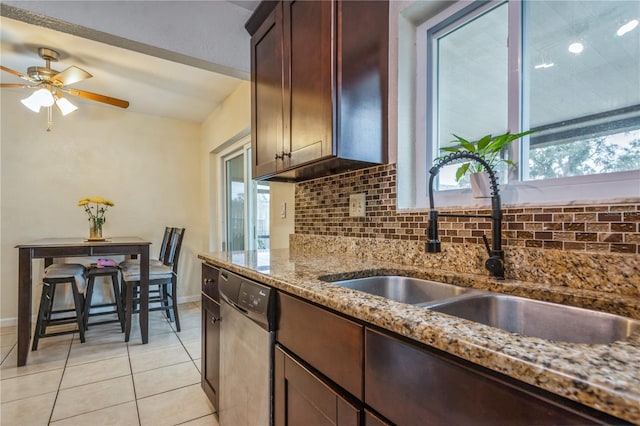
(254, 300)
(254, 297)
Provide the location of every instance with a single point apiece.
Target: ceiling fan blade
(71, 75)
(96, 97)
(16, 73)
(14, 85)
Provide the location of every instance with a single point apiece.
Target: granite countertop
(604, 377)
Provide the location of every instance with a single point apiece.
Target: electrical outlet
(357, 205)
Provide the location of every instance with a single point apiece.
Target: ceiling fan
(49, 85)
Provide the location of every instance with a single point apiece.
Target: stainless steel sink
(413, 291)
(541, 319)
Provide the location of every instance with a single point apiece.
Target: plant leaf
(450, 149)
(499, 143)
(461, 171)
(459, 139)
(511, 163)
(468, 146)
(482, 143)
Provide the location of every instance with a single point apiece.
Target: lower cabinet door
(302, 398)
(210, 361)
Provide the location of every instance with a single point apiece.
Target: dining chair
(54, 275)
(163, 251)
(163, 284)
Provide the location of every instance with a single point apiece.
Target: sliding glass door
(246, 204)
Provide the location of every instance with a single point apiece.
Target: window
(470, 81)
(582, 82)
(570, 70)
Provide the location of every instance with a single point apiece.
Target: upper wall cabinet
(319, 87)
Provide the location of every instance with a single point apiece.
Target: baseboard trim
(189, 299)
(13, 321)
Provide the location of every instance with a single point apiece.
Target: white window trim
(414, 159)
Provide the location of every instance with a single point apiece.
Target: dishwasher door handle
(241, 309)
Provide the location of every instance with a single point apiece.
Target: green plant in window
(488, 148)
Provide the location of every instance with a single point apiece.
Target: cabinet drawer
(412, 386)
(302, 398)
(210, 281)
(330, 343)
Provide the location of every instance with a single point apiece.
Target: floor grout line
(64, 369)
(182, 343)
(133, 383)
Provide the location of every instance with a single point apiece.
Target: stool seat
(66, 270)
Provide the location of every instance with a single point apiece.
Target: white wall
(148, 166)
(223, 127)
(280, 227)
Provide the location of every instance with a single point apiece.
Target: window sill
(611, 188)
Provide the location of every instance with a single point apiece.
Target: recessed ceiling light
(544, 65)
(629, 26)
(576, 48)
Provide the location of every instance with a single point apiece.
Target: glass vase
(95, 229)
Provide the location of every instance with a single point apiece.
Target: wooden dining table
(51, 248)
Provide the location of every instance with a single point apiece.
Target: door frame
(238, 148)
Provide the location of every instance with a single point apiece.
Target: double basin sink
(520, 315)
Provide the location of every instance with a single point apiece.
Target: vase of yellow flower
(96, 207)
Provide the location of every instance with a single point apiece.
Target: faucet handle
(486, 245)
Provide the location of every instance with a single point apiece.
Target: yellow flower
(97, 200)
(96, 212)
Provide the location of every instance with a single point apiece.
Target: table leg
(144, 293)
(24, 304)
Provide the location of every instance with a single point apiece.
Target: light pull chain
(49, 118)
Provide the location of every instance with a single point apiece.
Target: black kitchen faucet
(495, 262)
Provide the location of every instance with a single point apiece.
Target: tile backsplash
(322, 208)
(590, 247)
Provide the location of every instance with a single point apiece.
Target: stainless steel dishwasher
(246, 351)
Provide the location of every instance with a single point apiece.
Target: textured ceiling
(152, 85)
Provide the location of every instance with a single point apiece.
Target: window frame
(606, 187)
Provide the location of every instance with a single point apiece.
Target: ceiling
(152, 85)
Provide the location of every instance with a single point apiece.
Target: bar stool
(113, 272)
(60, 273)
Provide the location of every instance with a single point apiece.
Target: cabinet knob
(215, 320)
(278, 156)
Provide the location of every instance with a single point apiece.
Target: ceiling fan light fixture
(65, 106)
(39, 98)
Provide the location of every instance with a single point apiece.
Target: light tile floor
(106, 381)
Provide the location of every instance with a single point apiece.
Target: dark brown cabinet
(210, 360)
(328, 342)
(318, 366)
(267, 90)
(319, 87)
(410, 385)
(303, 398)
